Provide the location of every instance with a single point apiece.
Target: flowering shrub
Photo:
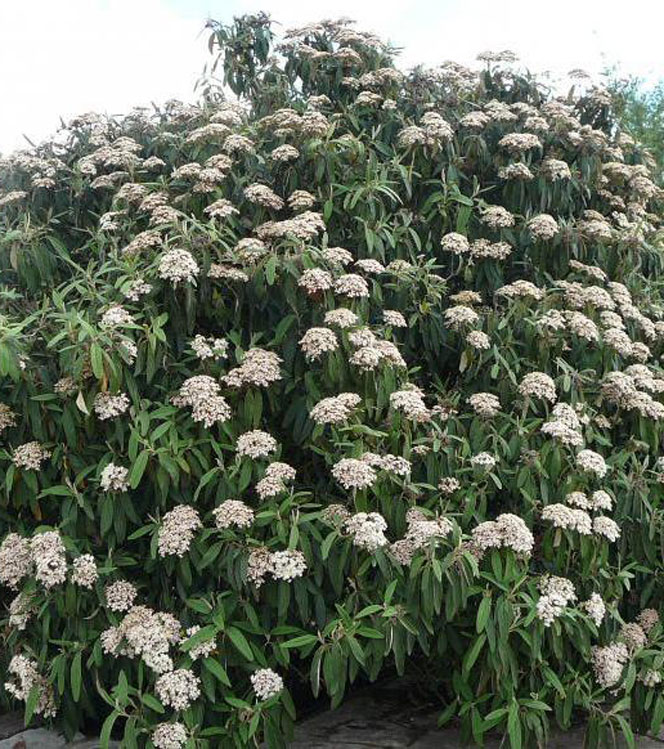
(356, 375)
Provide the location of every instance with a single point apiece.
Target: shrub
(354, 376)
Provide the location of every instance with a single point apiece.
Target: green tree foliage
(356, 375)
(639, 109)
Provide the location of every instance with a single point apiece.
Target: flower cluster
(177, 530)
(201, 394)
(507, 530)
(556, 594)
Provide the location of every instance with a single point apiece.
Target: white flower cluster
(201, 394)
(506, 531)
(231, 513)
(21, 610)
(266, 683)
(315, 280)
(460, 316)
(497, 217)
(538, 385)
(410, 403)
(263, 195)
(630, 392)
(120, 595)
(48, 555)
(274, 480)
(483, 461)
(448, 485)
(318, 341)
(483, 249)
(372, 352)
(369, 265)
(288, 564)
(114, 478)
(342, 318)
(259, 368)
(109, 406)
(367, 530)
(146, 634)
(15, 560)
(419, 532)
(591, 462)
(178, 266)
(582, 326)
(84, 571)
(555, 169)
(455, 243)
(352, 286)
(633, 636)
(300, 200)
(556, 594)
(221, 208)
(305, 226)
(255, 444)
(336, 409)
(485, 405)
(606, 527)
(647, 619)
(284, 153)
(354, 473)
(169, 736)
(30, 456)
(281, 565)
(564, 425)
(478, 340)
(227, 272)
(519, 142)
(394, 318)
(521, 289)
(517, 170)
(177, 531)
(178, 689)
(609, 662)
(595, 608)
(209, 348)
(568, 518)
(116, 317)
(26, 678)
(7, 417)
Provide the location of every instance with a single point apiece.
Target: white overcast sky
(64, 57)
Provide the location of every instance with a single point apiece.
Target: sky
(60, 58)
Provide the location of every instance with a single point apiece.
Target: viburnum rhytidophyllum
(344, 372)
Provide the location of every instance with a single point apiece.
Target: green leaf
(657, 715)
(205, 634)
(626, 731)
(31, 704)
(483, 613)
(106, 729)
(97, 360)
(75, 674)
(473, 653)
(298, 642)
(327, 544)
(217, 670)
(138, 469)
(240, 642)
(153, 703)
(210, 555)
(271, 269)
(514, 726)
